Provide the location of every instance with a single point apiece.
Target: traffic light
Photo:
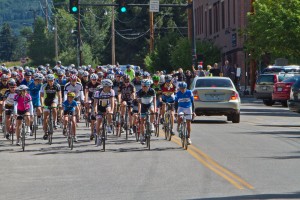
(74, 6)
(122, 6)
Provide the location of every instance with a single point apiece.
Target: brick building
(220, 21)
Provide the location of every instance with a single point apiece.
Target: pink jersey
(23, 102)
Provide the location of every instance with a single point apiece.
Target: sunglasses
(126, 82)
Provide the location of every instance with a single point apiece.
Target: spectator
(189, 78)
(207, 72)
(199, 72)
(215, 71)
(228, 71)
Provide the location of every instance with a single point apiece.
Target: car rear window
(206, 82)
(273, 70)
(268, 78)
(297, 84)
(291, 79)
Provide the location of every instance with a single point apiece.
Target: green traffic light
(74, 9)
(123, 9)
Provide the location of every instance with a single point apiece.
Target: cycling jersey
(34, 91)
(50, 93)
(9, 98)
(3, 89)
(92, 88)
(69, 107)
(62, 84)
(23, 104)
(24, 82)
(84, 83)
(103, 99)
(146, 97)
(168, 92)
(77, 89)
(116, 87)
(126, 92)
(157, 89)
(137, 84)
(184, 100)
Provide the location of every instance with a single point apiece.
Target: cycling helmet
(4, 76)
(94, 76)
(100, 74)
(44, 72)
(41, 67)
(72, 65)
(80, 72)
(50, 77)
(155, 78)
(110, 77)
(28, 73)
(37, 77)
(71, 94)
(106, 82)
(85, 73)
(12, 82)
(119, 73)
(168, 78)
(22, 87)
(110, 71)
(92, 70)
(41, 76)
(146, 74)
(182, 85)
(74, 71)
(50, 71)
(14, 74)
(61, 72)
(146, 82)
(21, 69)
(126, 77)
(73, 77)
(27, 68)
(138, 73)
(5, 70)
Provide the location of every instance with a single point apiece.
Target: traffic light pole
(79, 38)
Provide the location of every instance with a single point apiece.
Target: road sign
(154, 6)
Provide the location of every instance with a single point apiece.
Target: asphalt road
(258, 158)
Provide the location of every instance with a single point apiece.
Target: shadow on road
(275, 133)
(198, 121)
(295, 195)
(279, 125)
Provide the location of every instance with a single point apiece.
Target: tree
(41, 46)
(6, 42)
(274, 28)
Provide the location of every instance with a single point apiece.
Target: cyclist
(130, 72)
(104, 104)
(126, 94)
(184, 103)
(34, 89)
(50, 97)
(137, 82)
(9, 98)
(168, 96)
(147, 102)
(22, 106)
(69, 107)
(157, 87)
(3, 88)
(89, 99)
(75, 86)
(27, 80)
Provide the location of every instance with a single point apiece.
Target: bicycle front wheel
(185, 136)
(103, 136)
(23, 138)
(34, 126)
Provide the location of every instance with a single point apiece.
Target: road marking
(211, 164)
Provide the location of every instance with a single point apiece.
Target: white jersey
(77, 89)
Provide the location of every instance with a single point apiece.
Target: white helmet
(107, 82)
(94, 76)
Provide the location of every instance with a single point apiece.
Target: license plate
(279, 89)
(264, 88)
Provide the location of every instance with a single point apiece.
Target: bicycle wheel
(169, 128)
(23, 137)
(148, 135)
(137, 133)
(126, 124)
(157, 126)
(166, 119)
(103, 136)
(12, 129)
(185, 136)
(50, 129)
(118, 124)
(72, 142)
(181, 128)
(34, 127)
(69, 134)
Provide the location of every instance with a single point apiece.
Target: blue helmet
(146, 82)
(182, 85)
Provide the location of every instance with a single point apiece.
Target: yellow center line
(208, 162)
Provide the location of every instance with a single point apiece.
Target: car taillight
(195, 93)
(234, 96)
(275, 79)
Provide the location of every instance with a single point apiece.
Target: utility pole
(55, 38)
(151, 19)
(113, 44)
(79, 38)
(190, 20)
(46, 13)
(194, 47)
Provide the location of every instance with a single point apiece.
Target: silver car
(216, 96)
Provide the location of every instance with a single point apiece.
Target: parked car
(264, 87)
(216, 96)
(294, 102)
(281, 90)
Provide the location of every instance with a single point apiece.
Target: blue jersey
(34, 91)
(69, 106)
(185, 100)
(24, 82)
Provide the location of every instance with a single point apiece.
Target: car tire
(236, 118)
(284, 104)
(268, 102)
(229, 118)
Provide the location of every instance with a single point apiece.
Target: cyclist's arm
(112, 101)
(176, 102)
(86, 94)
(15, 107)
(193, 104)
(81, 95)
(154, 99)
(59, 97)
(31, 108)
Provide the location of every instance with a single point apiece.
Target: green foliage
(274, 29)
(7, 42)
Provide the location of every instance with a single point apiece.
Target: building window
(223, 14)
(228, 13)
(210, 21)
(233, 10)
(216, 17)
(206, 23)
(202, 19)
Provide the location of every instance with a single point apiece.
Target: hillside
(20, 13)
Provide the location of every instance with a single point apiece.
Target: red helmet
(73, 77)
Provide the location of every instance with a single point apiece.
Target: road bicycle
(147, 131)
(183, 132)
(50, 125)
(101, 136)
(23, 131)
(35, 122)
(167, 125)
(70, 134)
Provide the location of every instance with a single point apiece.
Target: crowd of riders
(98, 90)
